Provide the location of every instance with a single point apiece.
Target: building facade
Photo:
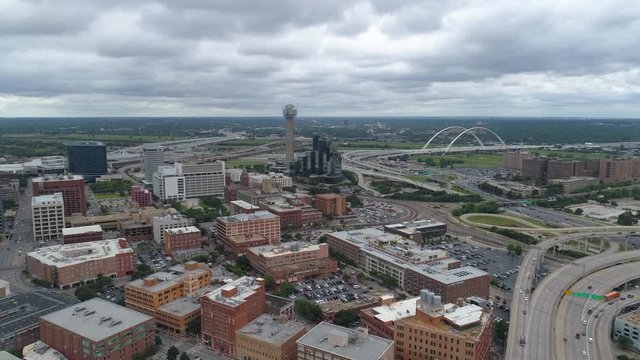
(170, 221)
(70, 186)
(228, 309)
(47, 214)
(67, 266)
(141, 196)
(619, 170)
(295, 216)
(187, 181)
(87, 158)
(82, 234)
(628, 325)
(331, 204)
(242, 231)
(97, 329)
(293, 261)
(418, 231)
(183, 239)
(512, 160)
(269, 338)
(323, 160)
(153, 156)
(329, 341)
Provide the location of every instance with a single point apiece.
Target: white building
(153, 157)
(234, 174)
(279, 180)
(187, 181)
(628, 325)
(160, 224)
(47, 212)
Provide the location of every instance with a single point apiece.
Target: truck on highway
(611, 295)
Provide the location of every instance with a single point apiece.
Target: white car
(590, 340)
(520, 291)
(584, 353)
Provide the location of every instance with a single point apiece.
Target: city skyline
(368, 58)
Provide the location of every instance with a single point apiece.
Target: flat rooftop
(182, 306)
(370, 347)
(445, 276)
(47, 199)
(245, 205)
(22, 311)
(258, 215)
(81, 230)
(267, 328)
(71, 254)
(246, 286)
(414, 226)
(182, 230)
(96, 319)
(60, 177)
(463, 316)
(394, 311)
(631, 318)
(362, 237)
(285, 248)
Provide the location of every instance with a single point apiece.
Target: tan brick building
(444, 331)
(97, 329)
(331, 204)
(269, 338)
(292, 262)
(229, 308)
(72, 189)
(66, 266)
(242, 231)
(170, 297)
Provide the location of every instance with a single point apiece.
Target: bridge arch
(451, 128)
(472, 129)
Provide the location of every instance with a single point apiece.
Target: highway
(533, 316)
(573, 312)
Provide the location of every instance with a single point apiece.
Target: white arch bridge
(464, 131)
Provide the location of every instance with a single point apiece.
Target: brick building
(72, 189)
(141, 196)
(447, 331)
(66, 266)
(135, 230)
(619, 170)
(295, 216)
(269, 338)
(97, 329)
(228, 309)
(331, 204)
(242, 231)
(535, 169)
(380, 320)
(183, 239)
(329, 341)
(170, 297)
(293, 261)
(81, 234)
(513, 159)
(242, 207)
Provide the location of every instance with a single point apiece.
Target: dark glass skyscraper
(323, 161)
(87, 158)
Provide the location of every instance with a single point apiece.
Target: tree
(193, 327)
(578, 211)
(627, 219)
(354, 201)
(624, 342)
(158, 340)
(184, 356)
(308, 310)
(243, 262)
(500, 330)
(172, 353)
(285, 289)
(85, 292)
(345, 318)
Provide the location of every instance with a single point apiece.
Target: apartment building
(329, 341)
(71, 187)
(170, 297)
(182, 240)
(444, 331)
(269, 338)
(67, 266)
(81, 234)
(97, 329)
(331, 204)
(619, 170)
(512, 160)
(242, 231)
(228, 309)
(293, 261)
(47, 212)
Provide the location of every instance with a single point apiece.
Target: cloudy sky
(329, 57)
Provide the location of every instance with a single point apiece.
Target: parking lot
(374, 212)
(327, 289)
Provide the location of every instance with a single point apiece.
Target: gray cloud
(377, 57)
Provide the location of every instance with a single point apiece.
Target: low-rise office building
(293, 261)
(97, 329)
(331, 204)
(269, 338)
(628, 325)
(447, 331)
(182, 240)
(82, 234)
(228, 309)
(419, 230)
(47, 213)
(329, 341)
(242, 231)
(66, 266)
(21, 315)
(188, 181)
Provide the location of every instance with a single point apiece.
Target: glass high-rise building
(87, 158)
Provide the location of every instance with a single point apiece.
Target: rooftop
(325, 336)
(267, 328)
(394, 311)
(258, 215)
(463, 316)
(166, 279)
(86, 143)
(4, 355)
(182, 230)
(631, 318)
(81, 230)
(96, 319)
(47, 199)
(413, 226)
(182, 306)
(276, 250)
(41, 351)
(445, 276)
(22, 311)
(245, 205)
(57, 178)
(71, 254)
(329, 196)
(244, 287)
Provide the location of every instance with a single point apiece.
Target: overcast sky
(328, 57)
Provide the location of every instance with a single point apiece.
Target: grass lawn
(496, 221)
(108, 196)
(480, 161)
(243, 163)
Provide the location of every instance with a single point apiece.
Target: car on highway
(584, 353)
(590, 340)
